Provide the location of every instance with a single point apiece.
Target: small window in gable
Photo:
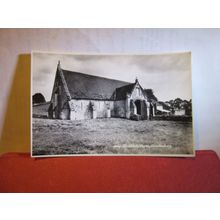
(138, 91)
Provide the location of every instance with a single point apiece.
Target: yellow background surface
(15, 135)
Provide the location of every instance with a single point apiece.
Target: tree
(177, 103)
(38, 98)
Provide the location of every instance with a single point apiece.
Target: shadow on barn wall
(15, 135)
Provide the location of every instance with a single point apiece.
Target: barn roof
(150, 95)
(123, 91)
(84, 86)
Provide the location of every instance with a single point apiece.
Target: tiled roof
(150, 95)
(121, 92)
(84, 86)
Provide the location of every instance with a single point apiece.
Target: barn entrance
(138, 106)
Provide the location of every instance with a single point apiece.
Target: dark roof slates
(84, 86)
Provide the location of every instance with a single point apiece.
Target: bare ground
(111, 136)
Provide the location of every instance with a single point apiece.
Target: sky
(169, 75)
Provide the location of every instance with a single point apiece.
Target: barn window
(138, 91)
(55, 99)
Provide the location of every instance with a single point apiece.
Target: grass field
(111, 136)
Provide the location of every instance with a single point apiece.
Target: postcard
(111, 104)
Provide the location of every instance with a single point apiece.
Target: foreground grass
(111, 136)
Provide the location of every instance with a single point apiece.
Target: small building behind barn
(162, 108)
(179, 112)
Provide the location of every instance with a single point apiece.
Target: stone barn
(78, 96)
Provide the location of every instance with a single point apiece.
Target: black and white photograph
(111, 104)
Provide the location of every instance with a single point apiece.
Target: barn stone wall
(64, 112)
(59, 101)
(120, 109)
(86, 109)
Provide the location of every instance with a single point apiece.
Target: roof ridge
(96, 76)
(129, 84)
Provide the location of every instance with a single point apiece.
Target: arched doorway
(138, 106)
